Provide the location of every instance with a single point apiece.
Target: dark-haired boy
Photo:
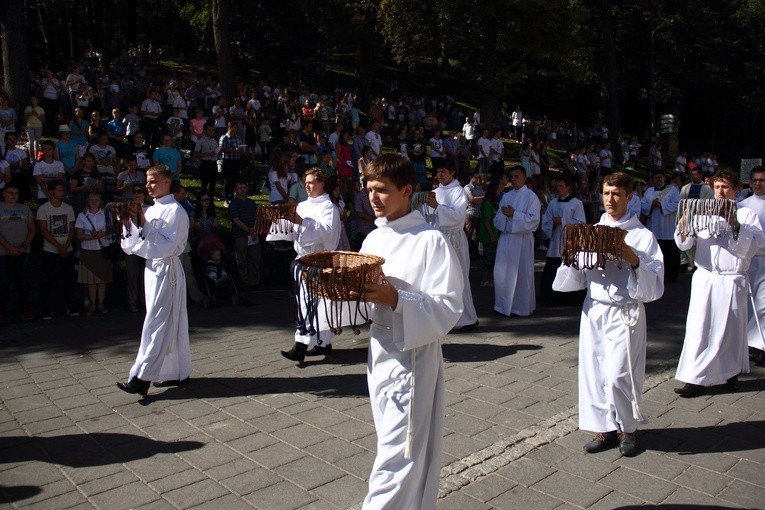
(411, 312)
(612, 333)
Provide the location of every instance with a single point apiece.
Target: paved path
(254, 430)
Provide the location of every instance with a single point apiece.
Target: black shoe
(757, 356)
(319, 350)
(628, 443)
(174, 382)
(733, 384)
(603, 441)
(297, 353)
(465, 329)
(135, 385)
(691, 390)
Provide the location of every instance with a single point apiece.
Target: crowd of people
(359, 181)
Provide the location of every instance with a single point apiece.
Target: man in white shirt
(517, 121)
(372, 139)
(47, 170)
(484, 152)
(754, 331)
(606, 158)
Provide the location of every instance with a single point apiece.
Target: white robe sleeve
(569, 279)
(525, 219)
(645, 203)
(646, 283)
(547, 219)
(684, 244)
(324, 229)
(670, 201)
(162, 237)
(750, 237)
(431, 312)
(452, 213)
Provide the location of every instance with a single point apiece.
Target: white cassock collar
(626, 222)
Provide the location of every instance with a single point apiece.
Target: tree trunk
(612, 78)
(13, 30)
(489, 103)
(367, 63)
(220, 15)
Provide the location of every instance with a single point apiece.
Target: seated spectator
(17, 229)
(215, 268)
(95, 270)
(205, 220)
(55, 220)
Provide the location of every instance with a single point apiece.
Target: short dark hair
(759, 169)
(619, 180)
(727, 175)
(54, 184)
(131, 158)
(397, 168)
(48, 143)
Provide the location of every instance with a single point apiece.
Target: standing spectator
(150, 112)
(278, 178)
(175, 127)
(179, 194)
(134, 264)
(606, 158)
(372, 139)
(18, 164)
(160, 236)
(206, 149)
(169, 156)
(34, 118)
(17, 230)
(474, 193)
(79, 127)
(117, 131)
(220, 116)
(46, 170)
(365, 216)
(681, 163)
(356, 149)
(106, 159)
(7, 119)
(142, 152)
(497, 153)
(264, 139)
(66, 151)
(307, 144)
(416, 150)
(132, 124)
(231, 151)
(85, 180)
(659, 204)
(242, 213)
(129, 178)
(715, 344)
(484, 152)
(489, 234)
(468, 132)
(197, 127)
(516, 219)
(452, 153)
(95, 270)
(517, 121)
(612, 332)
(56, 223)
(49, 87)
(437, 153)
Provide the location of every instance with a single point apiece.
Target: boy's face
(387, 200)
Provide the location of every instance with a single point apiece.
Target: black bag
(111, 250)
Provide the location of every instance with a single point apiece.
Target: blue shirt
(115, 127)
(169, 156)
(244, 210)
(67, 153)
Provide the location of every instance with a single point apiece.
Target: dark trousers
(14, 271)
(231, 168)
(208, 174)
(57, 287)
(265, 151)
(150, 129)
(671, 259)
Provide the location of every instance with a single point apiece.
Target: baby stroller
(216, 277)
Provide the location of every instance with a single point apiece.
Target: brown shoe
(603, 441)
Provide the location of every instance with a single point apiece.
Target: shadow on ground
(87, 450)
(729, 437)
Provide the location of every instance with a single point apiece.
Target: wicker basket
(343, 273)
(284, 214)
